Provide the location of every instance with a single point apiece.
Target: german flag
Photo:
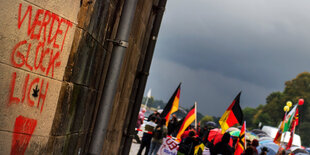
(188, 120)
(232, 115)
(240, 146)
(172, 105)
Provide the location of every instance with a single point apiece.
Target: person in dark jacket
(172, 125)
(153, 115)
(159, 133)
(223, 147)
(187, 145)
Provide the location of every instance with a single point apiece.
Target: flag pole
(196, 116)
(147, 99)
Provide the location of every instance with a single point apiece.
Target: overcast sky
(217, 48)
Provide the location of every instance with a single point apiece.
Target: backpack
(185, 148)
(158, 133)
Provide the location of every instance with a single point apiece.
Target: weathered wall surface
(35, 43)
(137, 45)
(53, 63)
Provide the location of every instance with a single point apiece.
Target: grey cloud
(213, 92)
(218, 48)
(254, 42)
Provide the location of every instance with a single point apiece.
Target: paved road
(135, 146)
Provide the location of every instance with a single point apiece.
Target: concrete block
(146, 10)
(27, 95)
(85, 14)
(75, 110)
(67, 144)
(30, 41)
(56, 145)
(85, 104)
(98, 22)
(71, 144)
(88, 62)
(80, 95)
(90, 110)
(5, 142)
(59, 145)
(65, 8)
(15, 143)
(94, 18)
(61, 124)
(81, 144)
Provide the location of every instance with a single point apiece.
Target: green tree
(272, 113)
(206, 118)
(248, 114)
(296, 89)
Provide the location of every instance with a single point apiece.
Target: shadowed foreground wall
(53, 63)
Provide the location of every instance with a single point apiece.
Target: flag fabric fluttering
(241, 143)
(232, 115)
(187, 121)
(289, 119)
(277, 138)
(293, 126)
(296, 118)
(172, 105)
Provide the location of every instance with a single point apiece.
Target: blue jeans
(154, 148)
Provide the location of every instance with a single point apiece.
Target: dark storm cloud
(231, 45)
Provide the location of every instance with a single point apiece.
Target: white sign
(169, 147)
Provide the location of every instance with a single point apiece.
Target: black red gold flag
(172, 105)
(232, 115)
(187, 121)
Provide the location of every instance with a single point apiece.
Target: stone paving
(135, 146)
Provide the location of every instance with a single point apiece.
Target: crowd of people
(155, 130)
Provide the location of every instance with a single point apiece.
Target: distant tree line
(272, 113)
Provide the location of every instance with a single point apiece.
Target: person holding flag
(187, 145)
(232, 115)
(172, 105)
(185, 122)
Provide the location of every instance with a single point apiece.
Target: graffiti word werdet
(46, 37)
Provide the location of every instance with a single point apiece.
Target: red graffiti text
(28, 89)
(46, 37)
(23, 129)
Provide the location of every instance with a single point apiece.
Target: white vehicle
(272, 131)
